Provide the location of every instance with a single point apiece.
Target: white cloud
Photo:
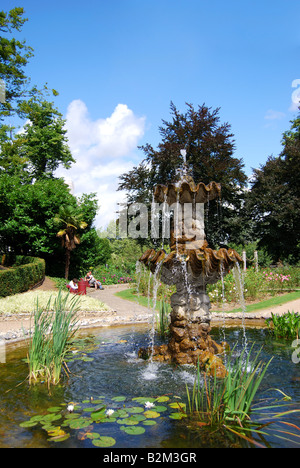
(274, 115)
(103, 150)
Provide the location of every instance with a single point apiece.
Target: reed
(163, 318)
(53, 328)
(219, 401)
(284, 326)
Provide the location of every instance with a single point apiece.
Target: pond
(113, 377)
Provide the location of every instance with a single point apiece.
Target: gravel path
(126, 312)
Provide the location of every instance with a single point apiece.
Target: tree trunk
(67, 265)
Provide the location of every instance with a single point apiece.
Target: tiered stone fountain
(190, 265)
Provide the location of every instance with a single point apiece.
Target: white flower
(70, 408)
(149, 405)
(109, 412)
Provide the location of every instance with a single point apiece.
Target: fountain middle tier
(191, 271)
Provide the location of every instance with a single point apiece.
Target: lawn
(25, 302)
(130, 295)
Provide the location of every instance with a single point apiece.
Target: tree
(43, 144)
(27, 212)
(274, 201)
(210, 148)
(72, 221)
(14, 56)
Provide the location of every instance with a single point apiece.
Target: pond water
(115, 371)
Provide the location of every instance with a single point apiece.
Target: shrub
(284, 326)
(23, 275)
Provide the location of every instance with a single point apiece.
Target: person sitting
(73, 285)
(92, 281)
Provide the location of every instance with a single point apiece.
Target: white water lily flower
(109, 412)
(149, 405)
(70, 408)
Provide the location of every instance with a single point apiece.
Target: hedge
(23, 275)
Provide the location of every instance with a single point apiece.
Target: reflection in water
(116, 370)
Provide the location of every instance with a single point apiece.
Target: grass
(268, 303)
(129, 295)
(230, 399)
(54, 326)
(25, 302)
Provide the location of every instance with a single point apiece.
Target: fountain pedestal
(190, 265)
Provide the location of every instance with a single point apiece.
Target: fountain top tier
(187, 239)
(186, 191)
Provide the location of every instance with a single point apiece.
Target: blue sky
(118, 64)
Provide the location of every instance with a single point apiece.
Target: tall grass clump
(228, 400)
(53, 328)
(284, 326)
(163, 318)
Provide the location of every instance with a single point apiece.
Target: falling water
(150, 372)
(238, 278)
(222, 329)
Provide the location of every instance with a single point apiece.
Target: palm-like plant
(70, 220)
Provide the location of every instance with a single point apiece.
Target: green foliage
(257, 284)
(284, 326)
(274, 200)
(229, 399)
(27, 212)
(131, 420)
(210, 149)
(163, 318)
(26, 273)
(91, 251)
(14, 56)
(113, 275)
(43, 141)
(53, 328)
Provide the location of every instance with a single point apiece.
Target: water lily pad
(121, 413)
(56, 431)
(138, 417)
(38, 417)
(54, 409)
(79, 423)
(29, 423)
(151, 414)
(135, 409)
(59, 438)
(104, 441)
(133, 430)
(86, 359)
(92, 435)
(177, 415)
(178, 405)
(160, 409)
(143, 400)
(149, 422)
(128, 421)
(119, 398)
(97, 415)
(48, 427)
(162, 399)
(51, 417)
(72, 415)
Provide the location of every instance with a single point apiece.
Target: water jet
(190, 266)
